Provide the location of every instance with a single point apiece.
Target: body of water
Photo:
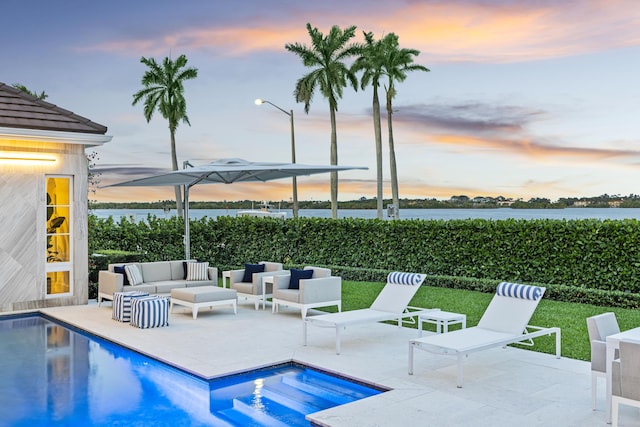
(426, 214)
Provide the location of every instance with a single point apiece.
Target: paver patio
(503, 386)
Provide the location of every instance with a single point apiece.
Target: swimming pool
(53, 374)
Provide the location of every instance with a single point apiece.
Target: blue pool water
(54, 375)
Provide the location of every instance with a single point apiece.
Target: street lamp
(293, 151)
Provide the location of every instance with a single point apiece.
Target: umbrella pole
(187, 240)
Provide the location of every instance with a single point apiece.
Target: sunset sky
(524, 99)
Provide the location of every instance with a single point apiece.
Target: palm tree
(329, 74)
(164, 91)
(371, 64)
(397, 63)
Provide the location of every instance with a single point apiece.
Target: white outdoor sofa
(158, 277)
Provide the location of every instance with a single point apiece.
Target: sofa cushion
(120, 269)
(178, 270)
(296, 275)
(145, 287)
(133, 274)
(196, 283)
(246, 288)
(249, 269)
(291, 295)
(165, 286)
(156, 271)
(197, 271)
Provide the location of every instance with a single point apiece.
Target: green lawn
(570, 317)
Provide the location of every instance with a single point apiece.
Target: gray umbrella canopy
(228, 171)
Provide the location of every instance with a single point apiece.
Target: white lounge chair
(391, 304)
(503, 322)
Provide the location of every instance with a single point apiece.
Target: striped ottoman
(150, 312)
(122, 304)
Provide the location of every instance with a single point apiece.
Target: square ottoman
(204, 296)
(150, 312)
(122, 304)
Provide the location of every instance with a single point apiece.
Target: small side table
(442, 320)
(226, 279)
(266, 280)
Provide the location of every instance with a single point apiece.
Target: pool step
(335, 390)
(243, 414)
(295, 398)
(282, 398)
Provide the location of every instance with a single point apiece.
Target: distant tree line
(460, 202)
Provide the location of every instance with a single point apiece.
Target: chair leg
(615, 406)
(594, 390)
(459, 379)
(410, 358)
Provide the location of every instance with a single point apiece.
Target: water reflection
(52, 375)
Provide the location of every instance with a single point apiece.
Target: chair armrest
(320, 289)
(281, 281)
(109, 282)
(213, 273)
(598, 353)
(257, 277)
(236, 276)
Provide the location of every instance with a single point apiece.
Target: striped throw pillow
(133, 274)
(197, 271)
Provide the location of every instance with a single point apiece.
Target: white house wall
(23, 225)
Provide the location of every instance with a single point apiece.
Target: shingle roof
(21, 110)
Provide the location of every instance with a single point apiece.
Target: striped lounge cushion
(197, 271)
(399, 278)
(122, 304)
(517, 290)
(150, 312)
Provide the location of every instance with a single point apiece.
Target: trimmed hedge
(577, 260)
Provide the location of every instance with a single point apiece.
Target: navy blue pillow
(120, 269)
(249, 269)
(296, 275)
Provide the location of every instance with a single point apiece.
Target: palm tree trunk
(392, 156)
(174, 165)
(334, 161)
(377, 130)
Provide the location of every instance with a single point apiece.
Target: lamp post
(293, 151)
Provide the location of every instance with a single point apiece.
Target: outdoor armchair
(311, 287)
(600, 327)
(248, 282)
(625, 379)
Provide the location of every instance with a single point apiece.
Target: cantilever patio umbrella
(227, 171)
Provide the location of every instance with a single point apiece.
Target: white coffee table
(442, 320)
